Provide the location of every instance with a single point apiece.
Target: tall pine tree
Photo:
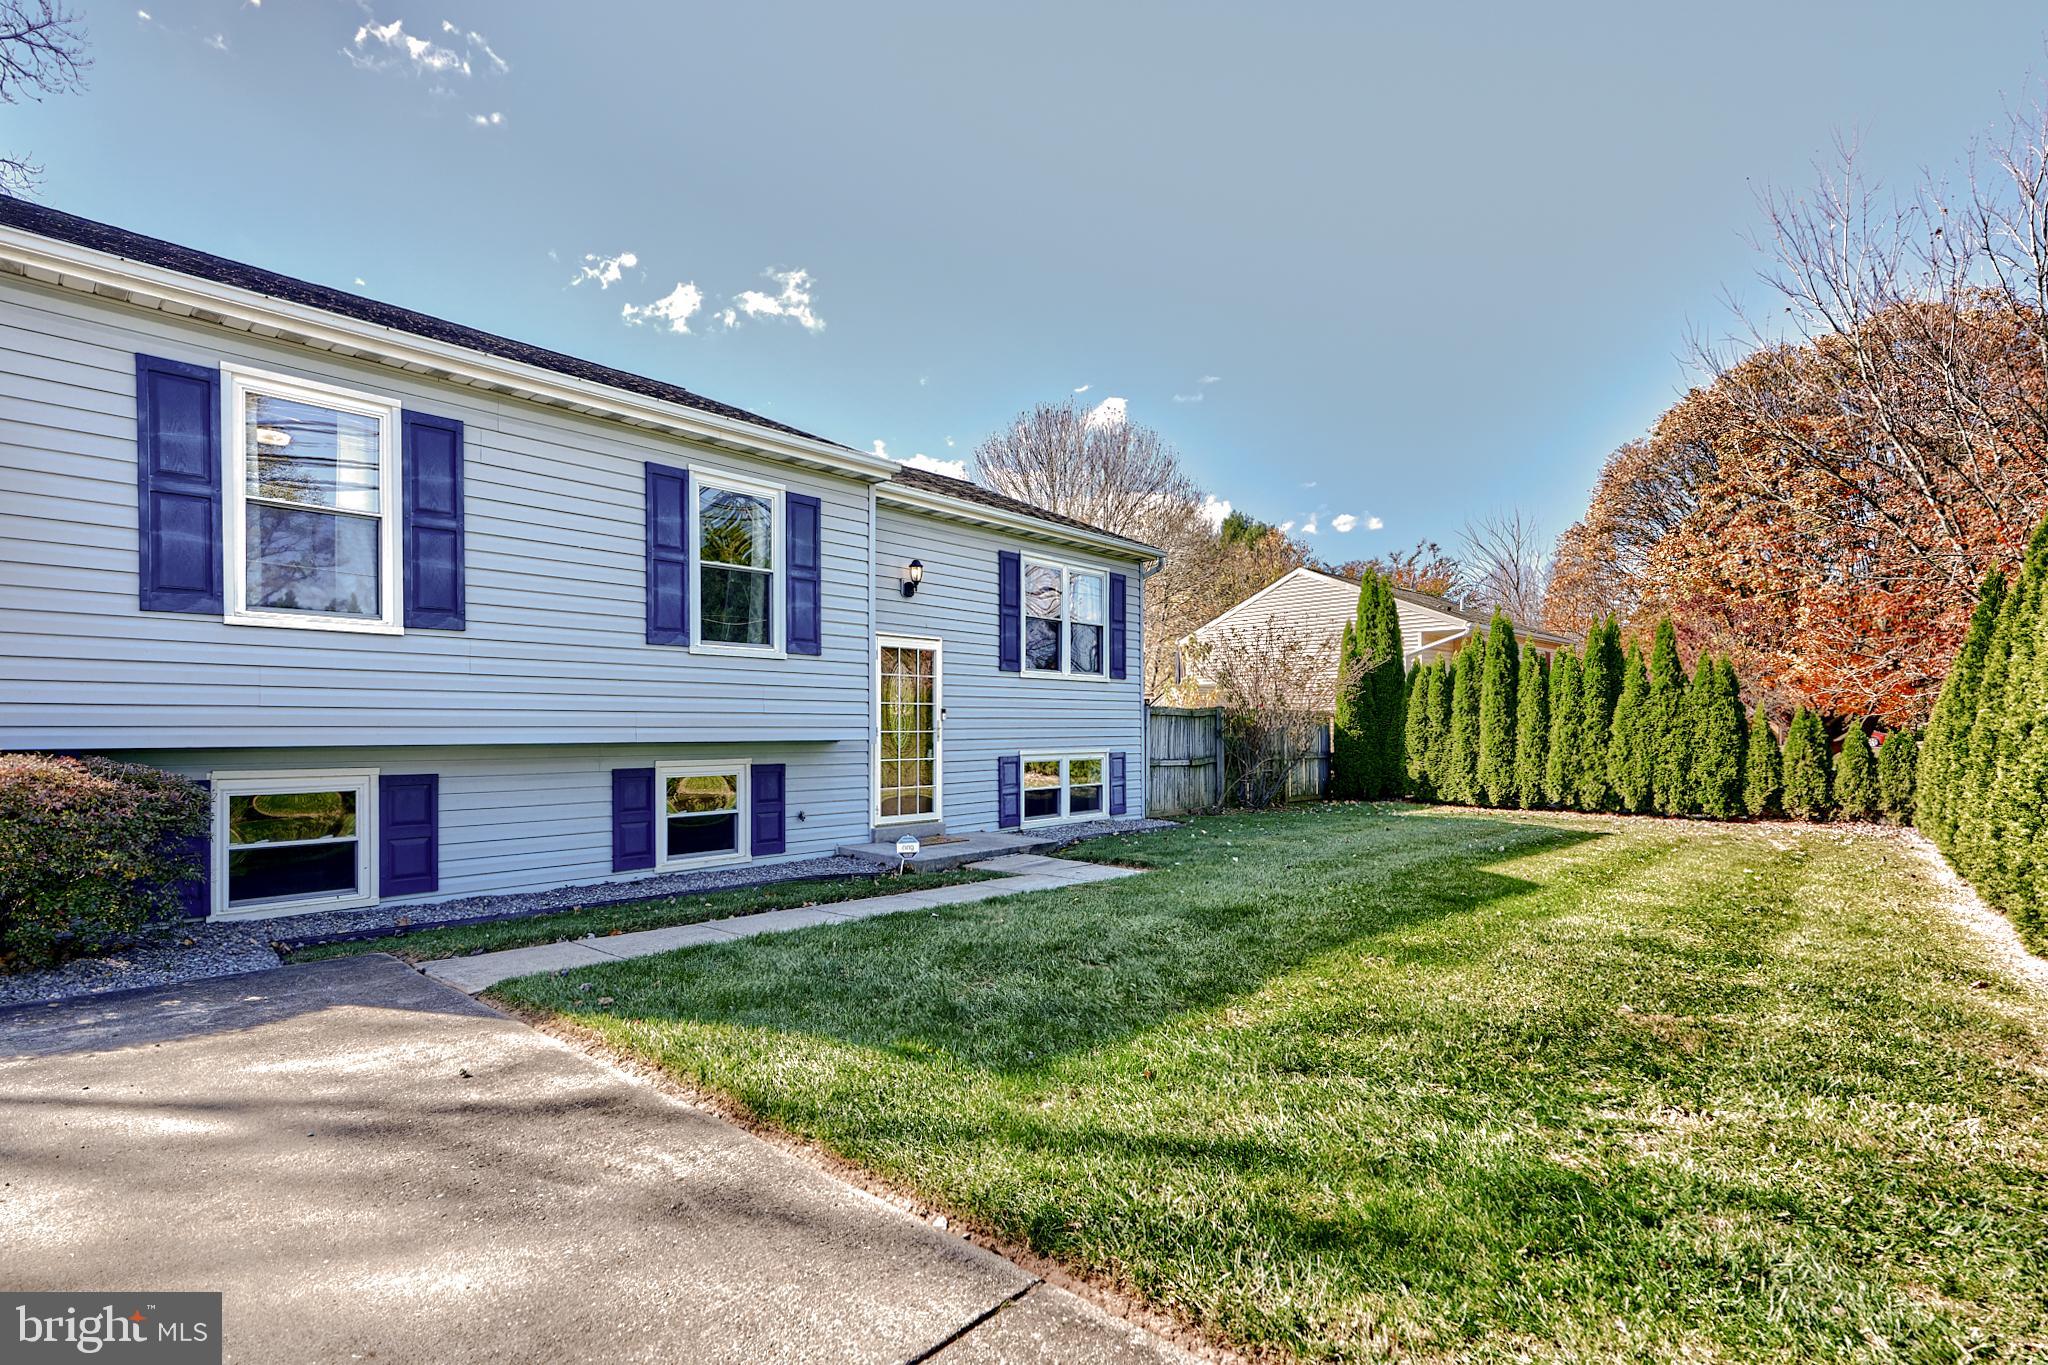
(1629, 743)
(1714, 705)
(1532, 729)
(1561, 764)
(1440, 729)
(1467, 679)
(1670, 779)
(1809, 782)
(2019, 785)
(1898, 771)
(1501, 674)
(1948, 730)
(1415, 734)
(1856, 775)
(1599, 691)
(1763, 772)
(1352, 754)
(1389, 689)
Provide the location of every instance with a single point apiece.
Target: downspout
(1145, 572)
(869, 668)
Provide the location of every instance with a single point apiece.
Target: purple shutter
(408, 834)
(195, 898)
(177, 476)
(433, 523)
(767, 812)
(805, 574)
(1009, 791)
(1116, 784)
(1118, 588)
(1009, 612)
(668, 555)
(632, 819)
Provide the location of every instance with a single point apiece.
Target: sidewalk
(1017, 872)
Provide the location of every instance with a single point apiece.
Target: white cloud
(1195, 397)
(952, 469)
(490, 120)
(606, 271)
(359, 281)
(1286, 527)
(1374, 524)
(1343, 522)
(949, 443)
(1110, 412)
(1210, 379)
(1309, 528)
(1213, 510)
(476, 43)
(218, 42)
(1084, 388)
(675, 310)
(881, 447)
(792, 301)
(424, 57)
(924, 381)
(143, 15)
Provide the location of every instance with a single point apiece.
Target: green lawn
(1340, 1082)
(425, 945)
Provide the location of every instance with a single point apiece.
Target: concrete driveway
(372, 1166)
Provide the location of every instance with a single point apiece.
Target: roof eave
(981, 514)
(119, 279)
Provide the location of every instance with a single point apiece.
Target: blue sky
(1365, 269)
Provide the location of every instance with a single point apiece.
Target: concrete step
(956, 852)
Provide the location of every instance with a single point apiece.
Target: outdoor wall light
(913, 576)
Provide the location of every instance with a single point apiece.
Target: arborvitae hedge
(1809, 780)
(1369, 724)
(1501, 675)
(1532, 729)
(1631, 739)
(1599, 691)
(1670, 779)
(1763, 768)
(1948, 730)
(1347, 724)
(1390, 691)
(1461, 779)
(1898, 773)
(1415, 733)
(1561, 763)
(1440, 729)
(1856, 776)
(1715, 750)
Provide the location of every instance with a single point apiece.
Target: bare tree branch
(42, 52)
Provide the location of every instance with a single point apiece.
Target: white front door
(910, 718)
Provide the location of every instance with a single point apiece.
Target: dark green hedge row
(1984, 775)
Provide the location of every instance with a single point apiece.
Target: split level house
(1309, 609)
(437, 614)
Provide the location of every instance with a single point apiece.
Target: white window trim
(362, 781)
(1068, 573)
(702, 477)
(237, 381)
(743, 827)
(938, 811)
(1066, 761)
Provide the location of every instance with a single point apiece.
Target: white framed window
(1066, 620)
(1064, 787)
(736, 534)
(312, 513)
(910, 711)
(704, 818)
(293, 842)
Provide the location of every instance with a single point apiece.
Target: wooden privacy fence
(1185, 768)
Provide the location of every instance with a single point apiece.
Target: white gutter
(48, 261)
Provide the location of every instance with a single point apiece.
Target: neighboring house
(1311, 607)
(437, 614)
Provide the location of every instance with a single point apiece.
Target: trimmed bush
(1599, 692)
(1467, 679)
(1367, 728)
(1630, 741)
(1671, 768)
(1390, 690)
(1532, 729)
(1501, 674)
(1415, 734)
(1809, 782)
(1440, 729)
(1717, 749)
(90, 851)
(1898, 775)
(1349, 753)
(1763, 768)
(1856, 776)
(1948, 729)
(1561, 764)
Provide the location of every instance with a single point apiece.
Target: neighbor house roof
(1428, 601)
(154, 252)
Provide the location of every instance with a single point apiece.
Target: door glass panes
(1084, 786)
(1042, 789)
(291, 845)
(1085, 598)
(1042, 617)
(313, 502)
(736, 566)
(703, 813)
(909, 731)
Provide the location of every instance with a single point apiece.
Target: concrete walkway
(371, 1166)
(1019, 872)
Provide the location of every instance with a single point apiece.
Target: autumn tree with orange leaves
(1824, 507)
